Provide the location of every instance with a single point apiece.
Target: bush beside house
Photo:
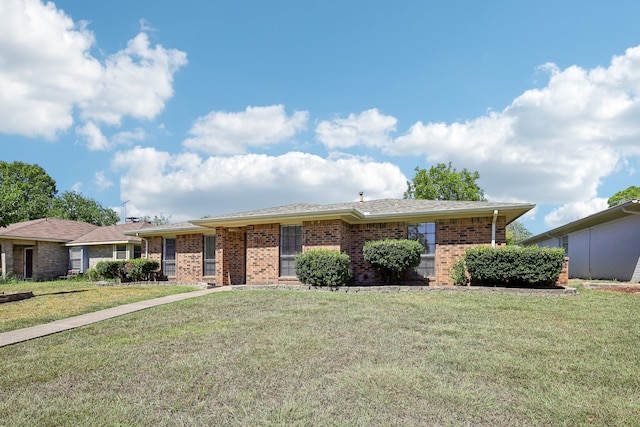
(512, 266)
(323, 267)
(132, 270)
(393, 256)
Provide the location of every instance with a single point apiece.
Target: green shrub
(528, 266)
(458, 272)
(323, 267)
(109, 269)
(140, 269)
(392, 257)
(92, 274)
(131, 270)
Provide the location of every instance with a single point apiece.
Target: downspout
(493, 228)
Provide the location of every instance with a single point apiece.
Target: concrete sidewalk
(19, 335)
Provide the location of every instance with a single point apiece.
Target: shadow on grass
(63, 292)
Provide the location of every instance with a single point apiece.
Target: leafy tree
(620, 197)
(26, 192)
(516, 232)
(444, 182)
(74, 206)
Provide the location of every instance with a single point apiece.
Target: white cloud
(574, 211)
(188, 186)
(93, 137)
(77, 187)
(233, 133)
(135, 82)
(551, 145)
(101, 181)
(47, 71)
(369, 128)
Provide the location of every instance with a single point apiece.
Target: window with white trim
(75, 259)
(425, 233)
(169, 257)
(209, 262)
(120, 251)
(290, 244)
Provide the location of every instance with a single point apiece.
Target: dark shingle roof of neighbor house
(110, 234)
(369, 211)
(47, 229)
(631, 207)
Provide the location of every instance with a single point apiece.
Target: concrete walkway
(20, 335)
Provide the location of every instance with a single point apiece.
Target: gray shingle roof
(111, 234)
(373, 209)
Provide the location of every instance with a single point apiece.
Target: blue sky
(187, 109)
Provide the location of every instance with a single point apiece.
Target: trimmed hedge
(392, 256)
(515, 266)
(132, 270)
(323, 267)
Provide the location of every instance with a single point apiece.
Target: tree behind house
(444, 182)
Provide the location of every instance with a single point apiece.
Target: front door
(28, 263)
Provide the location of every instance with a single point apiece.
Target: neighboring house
(257, 247)
(106, 243)
(47, 248)
(605, 245)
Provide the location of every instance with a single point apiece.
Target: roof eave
(103, 242)
(613, 213)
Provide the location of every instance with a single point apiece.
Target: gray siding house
(605, 245)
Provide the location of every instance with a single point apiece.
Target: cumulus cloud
(101, 181)
(574, 211)
(190, 186)
(220, 132)
(369, 128)
(551, 145)
(47, 71)
(135, 82)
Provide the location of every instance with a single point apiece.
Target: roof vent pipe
(361, 196)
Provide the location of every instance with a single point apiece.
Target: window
(209, 267)
(75, 257)
(425, 233)
(137, 252)
(120, 251)
(169, 257)
(290, 244)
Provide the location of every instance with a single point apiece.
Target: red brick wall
(363, 272)
(230, 256)
(454, 236)
(263, 254)
(189, 255)
(325, 235)
(154, 248)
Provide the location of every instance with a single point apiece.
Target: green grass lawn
(267, 358)
(60, 299)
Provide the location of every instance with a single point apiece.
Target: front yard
(300, 358)
(60, 299)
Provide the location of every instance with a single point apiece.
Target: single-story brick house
(257, 247)
(47, 248)
(605, 245)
